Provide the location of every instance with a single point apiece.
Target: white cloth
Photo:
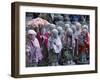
(33, 49)
(77, 33)
(55, 44)
(36, 43)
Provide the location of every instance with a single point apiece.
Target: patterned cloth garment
(34, 50)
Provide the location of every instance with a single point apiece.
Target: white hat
(85, 27)
(55, 31)
(59, 28)
(78, 24)
(69, 31)
(67, 25)
(52, 26)
(31, 32)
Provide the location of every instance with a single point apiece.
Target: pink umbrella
(37, 22)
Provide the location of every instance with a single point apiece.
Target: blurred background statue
(54, 48)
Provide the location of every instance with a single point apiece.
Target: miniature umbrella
(37, 22)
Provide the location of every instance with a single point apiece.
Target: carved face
(54, 33)
(43, 30)
(84, 31)
(31, 36)
(69, 32)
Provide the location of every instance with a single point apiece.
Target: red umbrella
(37, 22)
